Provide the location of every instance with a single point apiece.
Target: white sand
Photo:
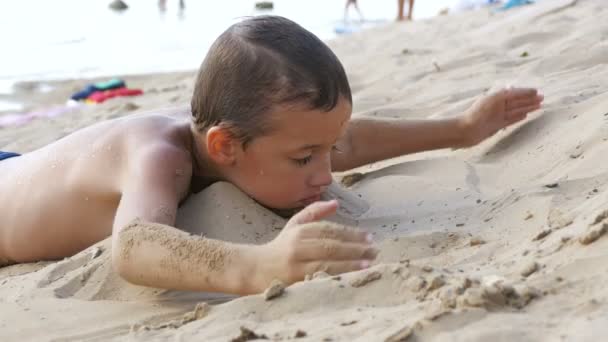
(457, 228)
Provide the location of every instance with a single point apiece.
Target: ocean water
(59, 39)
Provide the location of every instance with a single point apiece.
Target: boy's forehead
(299, 121)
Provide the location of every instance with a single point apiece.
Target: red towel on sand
(100, 96)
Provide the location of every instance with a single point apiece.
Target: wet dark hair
(259, 63)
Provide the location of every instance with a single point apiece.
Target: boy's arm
(369, 140)
(147, 250)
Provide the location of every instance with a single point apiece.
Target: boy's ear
(221, 145)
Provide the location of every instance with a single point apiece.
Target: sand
(504, 241)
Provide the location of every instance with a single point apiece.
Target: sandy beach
(505, 241)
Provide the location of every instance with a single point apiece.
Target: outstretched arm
(368, 140)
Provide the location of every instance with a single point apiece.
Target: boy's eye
(302, 161)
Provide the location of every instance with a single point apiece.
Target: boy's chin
(286, 213)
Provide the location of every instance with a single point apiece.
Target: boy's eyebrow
(313, 146)
(310, 147)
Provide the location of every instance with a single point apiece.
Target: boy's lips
(311, 199)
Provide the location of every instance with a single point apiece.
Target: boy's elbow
(341, 161)
(123, 257)
(122, 264)
(342, 165)
(344, 157)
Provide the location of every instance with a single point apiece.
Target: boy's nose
(322, 176)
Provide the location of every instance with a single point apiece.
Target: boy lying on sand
(270, 113)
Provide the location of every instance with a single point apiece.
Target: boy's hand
(494, 112)
(306, 246)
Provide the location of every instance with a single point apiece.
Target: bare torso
(62, 198)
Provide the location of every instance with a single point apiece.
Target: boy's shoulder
(160, 136)
(158, 141)
(158, 152)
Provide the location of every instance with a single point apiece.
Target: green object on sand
(264, 5)
(118, 5)
(111, 84)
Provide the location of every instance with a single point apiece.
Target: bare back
(63, 197)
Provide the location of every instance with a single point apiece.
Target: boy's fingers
(335, 267)
(521, 111)
(310, 250)
(520, 103)
(335, 232)
(522, 93)
(314, 212)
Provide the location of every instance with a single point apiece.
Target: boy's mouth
(309, 200)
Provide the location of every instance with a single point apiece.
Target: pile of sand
(503, 241)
